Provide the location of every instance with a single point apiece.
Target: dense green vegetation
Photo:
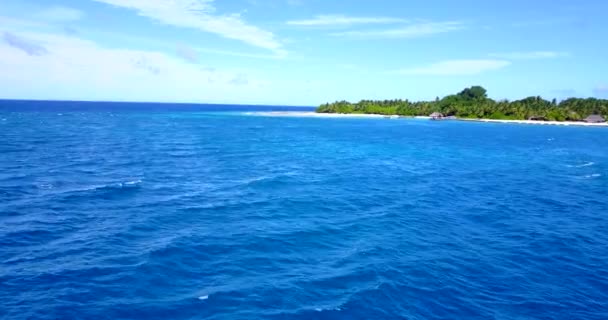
(473, 102)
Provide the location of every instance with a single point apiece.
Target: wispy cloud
(530, 55)
(75, 68)
(543, 22)
(408, 31)
(342, 20)
(60, 14)
(29, 47)
(70, 31)
(240, 80)
(601, 91)
(193, 54)
(456, 67)
(187, 53)
(275, 4)
(142, 63)
(15, 23)
(240, 54)
(201, 15)
(565, 93)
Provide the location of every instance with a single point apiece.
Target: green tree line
(473, 102)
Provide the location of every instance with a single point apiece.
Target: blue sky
(300, 52)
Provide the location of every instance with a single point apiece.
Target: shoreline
(313, 114)
(535, 122)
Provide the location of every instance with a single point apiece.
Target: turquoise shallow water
(114, 212)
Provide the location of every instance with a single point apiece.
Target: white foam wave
(587, 164)
(591, 176)
(205, 297)
(328, 309)
(45, 186)
(131, 183)
(268, 177)
(256, 179)
(119, 185)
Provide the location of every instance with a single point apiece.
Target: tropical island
(473, 103)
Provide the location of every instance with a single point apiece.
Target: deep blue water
(191, 213)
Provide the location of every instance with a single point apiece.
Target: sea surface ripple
(182, 214)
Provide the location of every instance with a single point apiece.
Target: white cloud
(562, 93)
(74, 68)
(192, 54)
(29, 47)
(341, 20)
(543, 22)
(60, 14)
(200, 14)
(187, 53)
(13, 23)
(457, 67)
(408, 31)
(530, 55)
(277, 56)
(601, 91)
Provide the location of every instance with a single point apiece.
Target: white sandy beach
(313, 114)
(554, 123)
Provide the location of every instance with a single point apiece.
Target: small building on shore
(595, 118)
(537, 118)
(436, 116)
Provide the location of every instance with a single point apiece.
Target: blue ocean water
(119, 211)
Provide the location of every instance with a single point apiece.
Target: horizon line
(161, 102)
